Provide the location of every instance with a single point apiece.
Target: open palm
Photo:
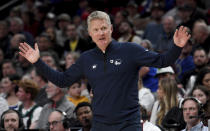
(181, 36)
(32, 55)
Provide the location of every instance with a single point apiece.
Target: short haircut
(98, 15)
(82, 104)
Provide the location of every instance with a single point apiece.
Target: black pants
(130, 125)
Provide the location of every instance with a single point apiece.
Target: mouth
(102, 39)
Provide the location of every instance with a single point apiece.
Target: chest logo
(118, 62)
(94, 66)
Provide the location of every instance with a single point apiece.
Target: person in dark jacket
(112, 71)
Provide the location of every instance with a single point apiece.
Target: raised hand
(181, 36)
(32, 55)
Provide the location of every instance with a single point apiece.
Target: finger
(36, 46)
(22, 49)
(26, 45)
(22, 54)
(176, 33)
(181, 28)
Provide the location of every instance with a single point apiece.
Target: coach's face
(100, 32)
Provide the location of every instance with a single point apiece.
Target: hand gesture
(181, 36)
(32, 55)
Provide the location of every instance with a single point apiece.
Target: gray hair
(98, 15)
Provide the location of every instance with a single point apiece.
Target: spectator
(58, 101)
(17, 26)
(127, 33)
(167, 99)
(74, 42)
(58, 121)
(3, 105)
(154, 26)
(70, 58)
(192, 110)
(9, 68)
(165, 39)
(201, 35)
(200, 60)
(41, 98)
(51, 59)
(185, 61)
(203, 77)
(10, 90)
(148, 73)
(147, 126)
(75, 94)
(119, 17)
(4, 36)
(63, 20)
(174, 12)
(202, 94)
(29, 110)
(146, 98)
(11, 120)
(84, 115)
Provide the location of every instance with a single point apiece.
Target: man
(29, 110)
(11, 121)
(200, 60)
(58, 101)
(41, 98)
(84, 114)
(192, 112)
(57, 121)
(112, 71)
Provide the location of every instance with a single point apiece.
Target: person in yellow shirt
(74, 94)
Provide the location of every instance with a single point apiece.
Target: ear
(111, 28)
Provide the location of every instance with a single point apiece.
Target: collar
(197, 127)
(108, 48)
(56, 104)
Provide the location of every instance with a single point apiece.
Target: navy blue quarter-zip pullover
(113, 75)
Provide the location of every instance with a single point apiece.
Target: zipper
(104, 62)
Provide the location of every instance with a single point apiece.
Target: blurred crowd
(59, 28)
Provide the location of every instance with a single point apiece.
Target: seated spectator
(11, 121)
(3, 105)
(127, 33)
(203, 77)
(84, 114)
(10, 90)
(192, 109)
(70, 58)
(41, 98)
(58, 101)
(147, 126)
(75, 94)
(167, 99)
(185, 61)
(148, 73)
(146, 98)
(58, 121)
(29, 110)
(202, 94)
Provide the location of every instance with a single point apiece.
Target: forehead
(84, 108)
(55, 116)
(189, 103)
(97, 23)
(11, 115)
